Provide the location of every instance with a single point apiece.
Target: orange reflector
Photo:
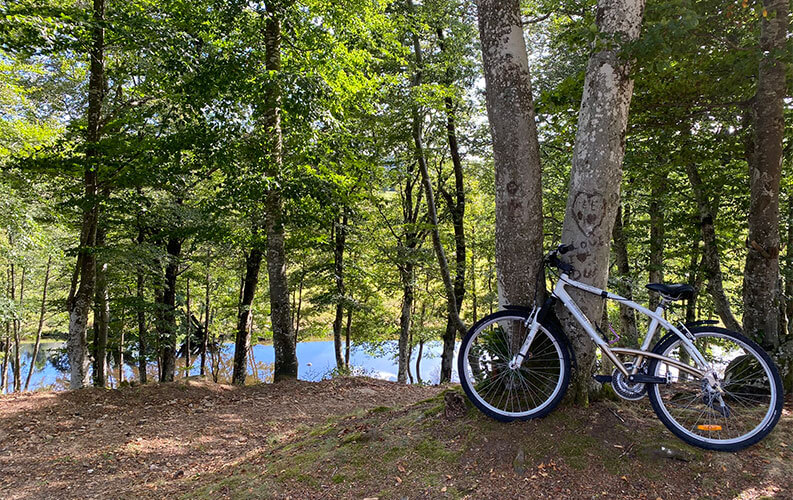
(709, 427)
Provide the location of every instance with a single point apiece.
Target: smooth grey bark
(339, 238)
(628, 330)
(596, 175)
(711, 258)
(18, 328)
(79, 303)
(281, 318)
(40, 327)
(510, 112)
(760, 296)
(242, 344)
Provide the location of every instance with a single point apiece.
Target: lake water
(316, 361)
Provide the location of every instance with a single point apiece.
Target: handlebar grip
(563, 249)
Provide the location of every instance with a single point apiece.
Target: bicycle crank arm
(641, 378)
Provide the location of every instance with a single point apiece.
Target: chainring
(624, 388)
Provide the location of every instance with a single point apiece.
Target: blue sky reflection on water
(316, 361)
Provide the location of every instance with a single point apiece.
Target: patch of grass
(380, 409)
(575, 447)
(434, 450)
(338, 478)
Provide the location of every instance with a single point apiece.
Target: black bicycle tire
(470, 393)
(663, 344)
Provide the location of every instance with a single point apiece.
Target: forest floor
(357, 438)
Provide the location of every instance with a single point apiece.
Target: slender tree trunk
(510, 111)
(347, 338)
(418, 361)
(168, 326)
(188, 328)
(711, 259)
(474, 301)
(242, 344)
(695, 277)
(283, 339)
(657, 210)
(101, 314)
(80, 304)
(18, 329)
(6, 354)
(141, 316)
(594, 192)
(339, 238)
(42, 310)
(443, 264)
(628, 331)
(405, 322)
(205, 339)
(760, 297)
(456, 207)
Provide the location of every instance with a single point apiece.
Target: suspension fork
(536, 317)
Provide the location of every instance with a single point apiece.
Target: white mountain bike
(711, 387)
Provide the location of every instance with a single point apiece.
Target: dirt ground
(357, 438)
(141, 441)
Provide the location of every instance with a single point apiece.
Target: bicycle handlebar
(553, 258)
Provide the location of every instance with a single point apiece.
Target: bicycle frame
(656, 319)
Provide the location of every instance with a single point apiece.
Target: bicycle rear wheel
(743, 414)
(529, 391)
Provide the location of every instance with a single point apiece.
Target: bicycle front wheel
(520, 393)
(745, 410)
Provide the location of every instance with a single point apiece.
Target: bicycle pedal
(603, 379)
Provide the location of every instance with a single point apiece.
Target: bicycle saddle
(672, 292)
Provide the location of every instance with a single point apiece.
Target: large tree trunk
(168, 323)
(339, 237)
(510, 111)
(628, 331)
(242, 344)
(101, 316)
(656, 264)
(80, 303)
(711, 259)
(760, 297)
(596, 175)
(42, 311)
(283, 340)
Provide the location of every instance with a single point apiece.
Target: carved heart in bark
(588, 210)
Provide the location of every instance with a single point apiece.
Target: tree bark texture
(510, 111)
(281, 318)
(760, 297)
(253, 262)
(594, 192)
